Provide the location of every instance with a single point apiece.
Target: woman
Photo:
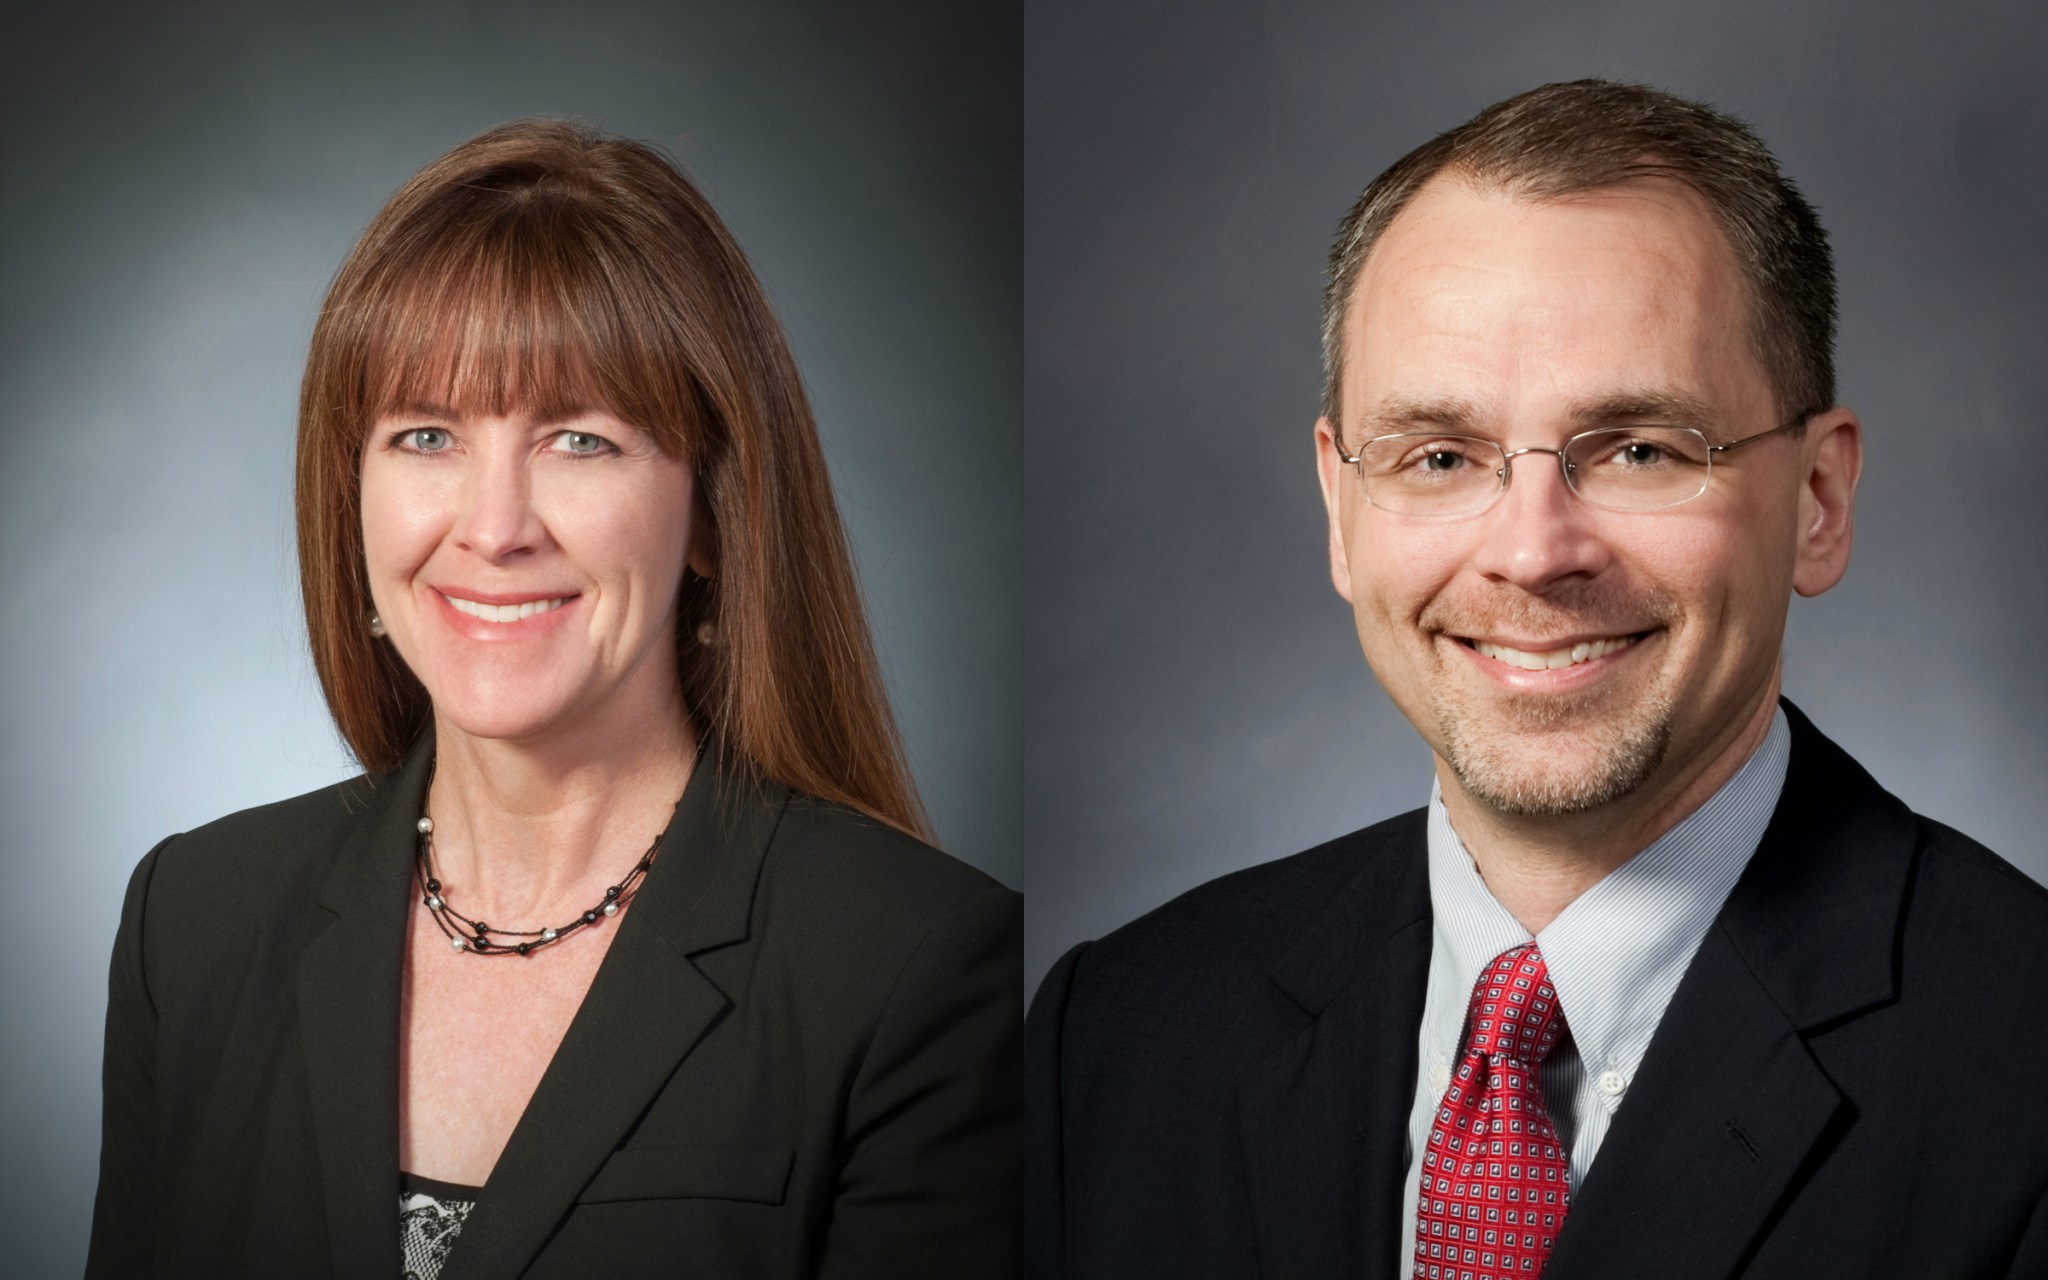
(625, 956)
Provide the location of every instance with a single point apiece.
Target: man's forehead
(1455, 213)
(1473, 284)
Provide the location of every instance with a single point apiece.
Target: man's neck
(1537, 865)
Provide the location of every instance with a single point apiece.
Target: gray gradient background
(1195, 698)
(180, 183)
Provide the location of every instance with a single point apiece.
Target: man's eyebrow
(1397, 414)
(1665, 407)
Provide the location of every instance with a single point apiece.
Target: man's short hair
(1585, 135)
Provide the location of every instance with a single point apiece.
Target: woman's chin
(524, 724)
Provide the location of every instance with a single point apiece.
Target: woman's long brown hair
(547, 268)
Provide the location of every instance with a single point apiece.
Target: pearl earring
(706, 633)
(376, 625)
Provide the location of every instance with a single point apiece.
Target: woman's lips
(504, 612)
(502, 616)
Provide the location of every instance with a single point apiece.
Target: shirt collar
(1617, 952)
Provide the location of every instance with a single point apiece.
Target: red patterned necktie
(1493, 1191)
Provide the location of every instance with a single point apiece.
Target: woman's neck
(527, 831)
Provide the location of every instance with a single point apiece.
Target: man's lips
(1553, 654)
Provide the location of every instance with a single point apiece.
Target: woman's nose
(498, 517)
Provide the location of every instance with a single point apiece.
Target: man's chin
(1551, 768)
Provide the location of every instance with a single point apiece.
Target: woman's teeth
(504, 612)
(1554, 658)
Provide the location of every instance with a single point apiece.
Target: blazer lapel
(1325, 1118)
(1729, 1102)
(349, 984)
(647, 1007)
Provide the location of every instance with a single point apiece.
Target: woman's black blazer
(799, 1057)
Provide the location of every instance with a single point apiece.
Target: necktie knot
(1514, 1013)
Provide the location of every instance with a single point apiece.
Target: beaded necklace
(475, 936)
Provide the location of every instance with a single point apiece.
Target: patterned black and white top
(430, 1216)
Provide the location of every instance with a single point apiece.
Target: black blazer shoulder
(800, 1056)
(1203, 961)
(1221, 1088)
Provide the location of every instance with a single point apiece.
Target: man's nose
(1539, 533)
(498, 518)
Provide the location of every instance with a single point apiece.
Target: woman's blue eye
(582, 442)
(426, 439)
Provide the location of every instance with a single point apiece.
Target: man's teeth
(1581, 652)
(504, 612)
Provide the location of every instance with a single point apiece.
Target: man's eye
(1443, 460)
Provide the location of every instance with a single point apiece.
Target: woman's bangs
(493, 329)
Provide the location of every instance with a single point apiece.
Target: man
(1660, 983)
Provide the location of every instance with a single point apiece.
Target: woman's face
(527, 570)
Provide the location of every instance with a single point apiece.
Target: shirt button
(1439, 1078)
(1611, 1084)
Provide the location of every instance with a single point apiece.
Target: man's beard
(1551, 756)
(1515, 768)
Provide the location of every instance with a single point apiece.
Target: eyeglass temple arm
(1799, 421)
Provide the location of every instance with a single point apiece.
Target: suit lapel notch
(1726, 1108)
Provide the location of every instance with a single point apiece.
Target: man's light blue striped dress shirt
(1615, 955)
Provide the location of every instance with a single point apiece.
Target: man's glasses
(1641, 468)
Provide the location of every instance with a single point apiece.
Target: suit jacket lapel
(1325, 1118)
(647, 1007)
(349, 984)
(1729, 1102)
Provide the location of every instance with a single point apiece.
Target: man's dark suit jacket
(1851, 1080)
(800, 1056)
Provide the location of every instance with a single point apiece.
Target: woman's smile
(499, 617)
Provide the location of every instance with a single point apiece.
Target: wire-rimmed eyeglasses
(1630, 468)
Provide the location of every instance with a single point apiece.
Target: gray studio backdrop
(1195, 698)
(177, 185)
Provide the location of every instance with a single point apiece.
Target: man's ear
(1332, 471)
(1832, 455)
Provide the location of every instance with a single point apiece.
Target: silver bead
(548, 935)
(611, 908)
(425, 825)
(458, 944)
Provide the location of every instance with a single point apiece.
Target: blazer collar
(647, 1007)
(350, 980)
(1325, 1116)
(1730, 1100)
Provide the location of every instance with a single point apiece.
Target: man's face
(1658, 632)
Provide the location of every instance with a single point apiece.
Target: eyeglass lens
(1625, 468)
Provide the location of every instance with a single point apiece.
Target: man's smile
(1570, 653)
